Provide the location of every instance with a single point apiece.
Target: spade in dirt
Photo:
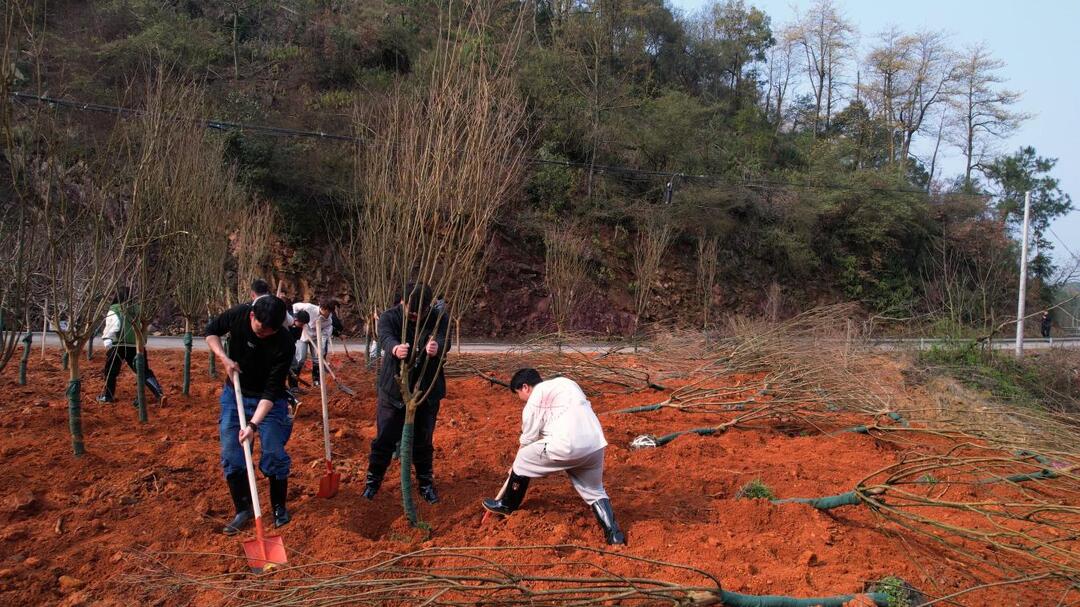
(328, 484)
(264, 552)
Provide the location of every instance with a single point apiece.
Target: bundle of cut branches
(447, 576)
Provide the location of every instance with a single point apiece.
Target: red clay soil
(73, 527)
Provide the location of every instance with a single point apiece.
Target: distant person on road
(1046, 324)
(305, 346)
(559, 433)
(120, 342)
(261, 352)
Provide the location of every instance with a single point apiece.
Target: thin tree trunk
(187, 356)
(27, 340)
(74, 395)
(933, 158)
(235, 48)
(140, 380)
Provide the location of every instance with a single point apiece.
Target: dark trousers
(114, 359)
(390, 420)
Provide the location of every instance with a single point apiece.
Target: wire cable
(630, 173)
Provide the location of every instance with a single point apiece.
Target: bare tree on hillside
(707, 264)
(983, 109)
(565, 269)
(654, 237)
(827, 40)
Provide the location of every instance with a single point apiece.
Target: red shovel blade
(328, 484)
(264, 553)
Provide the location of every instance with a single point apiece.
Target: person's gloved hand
(107, 342)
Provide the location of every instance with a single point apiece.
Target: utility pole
(1023, 277)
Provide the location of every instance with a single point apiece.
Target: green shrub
(755, 489)
(896, 591)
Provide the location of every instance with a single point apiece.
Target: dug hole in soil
(75, 528)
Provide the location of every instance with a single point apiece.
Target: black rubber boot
(512, 497)
(156, 389)
(279, 491)
(241, 497)
(606, 518)
(426, 486)
(371, 485)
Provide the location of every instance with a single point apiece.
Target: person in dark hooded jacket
(413, 321)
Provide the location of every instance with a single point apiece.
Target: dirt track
(158, 488)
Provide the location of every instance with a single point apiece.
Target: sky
(1040, 45)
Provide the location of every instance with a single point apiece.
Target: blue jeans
(274, 432)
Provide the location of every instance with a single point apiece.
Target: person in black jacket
(260, 350)
(413, 320)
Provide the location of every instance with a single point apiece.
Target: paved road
(356, 348)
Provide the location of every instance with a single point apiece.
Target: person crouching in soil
(261, 351)
(559, 432)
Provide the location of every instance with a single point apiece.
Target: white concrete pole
(1023, 277)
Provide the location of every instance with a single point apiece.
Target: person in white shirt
(559, 433)
(305, 346)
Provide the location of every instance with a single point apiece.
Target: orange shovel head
(328, 485)
(266, 553)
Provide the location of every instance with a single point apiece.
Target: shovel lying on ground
(263, 553)
(328, 484)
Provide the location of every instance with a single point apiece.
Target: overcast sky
(1039, 42)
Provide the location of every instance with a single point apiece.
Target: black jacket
(390, 335)
(264, 363)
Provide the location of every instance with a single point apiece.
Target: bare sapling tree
(441, 156)
(252, 246)
(565, 269)
(707, 265)
(654, 237)
(201, 190)
(166, 152)
(85, 233)
(200, 253)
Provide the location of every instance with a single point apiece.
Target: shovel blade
(266, 553)
(346, 389)
(328, 485)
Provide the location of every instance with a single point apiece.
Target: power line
(1062, 243)
(603, 169)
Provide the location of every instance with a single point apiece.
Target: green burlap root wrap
(187, 363)
(408, 503)
(28, 341)
(824, 503)
(74, 392)
(667, 438)
(140, 386)
(642, 408)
